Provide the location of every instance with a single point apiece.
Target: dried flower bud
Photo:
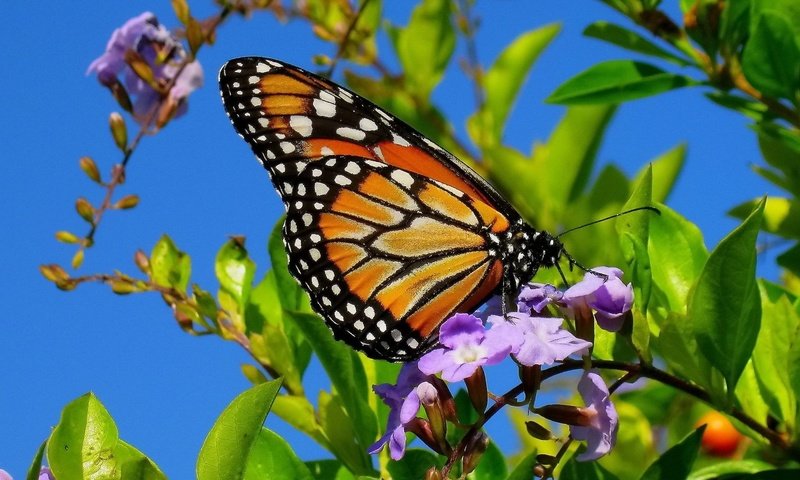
(538, 431)
(539, 471)
(433, 474)
(445, 399)
(531, 377)
(66, 237)
(77, 259)
(126, 202)
(474, 450)
(90, 169)
(477, 390)
(121, 96)
(118, 130)
(166, 112)
(567, 414)
(85, 209)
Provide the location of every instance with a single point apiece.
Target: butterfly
(388, 233)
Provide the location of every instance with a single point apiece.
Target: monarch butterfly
(387, 232)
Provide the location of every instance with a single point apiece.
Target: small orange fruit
(720, 438)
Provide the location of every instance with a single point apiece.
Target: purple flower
(162, 52)
(540, 340)
(403, 402)
(5, 475)
(610, 298)
(600, 431)
(46, 474)
(537, 296)
(466, 345)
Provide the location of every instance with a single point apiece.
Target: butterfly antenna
(649, 208)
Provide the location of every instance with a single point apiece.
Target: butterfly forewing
(387, 232)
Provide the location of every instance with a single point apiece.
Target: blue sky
(199, 183)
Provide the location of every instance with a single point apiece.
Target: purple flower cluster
(533, 337)
(44, 474)
(163, 53)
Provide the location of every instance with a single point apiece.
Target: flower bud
(181, 9)
(194, 35)
(422, 429)
(473, 451)
(140, 67)
(531, 377)
(445, 399)
(66, 237)
(121, 96)
(567, 414)
(433, 474)
(476, 388)
(77, 259)
(118, 130)
(126, 202)
(53, 272)
(537, 431)
(90, 169)
(85, 209)
(429, 398)
(122, 286)
(142, 262)
(539, 471)
(167, 110)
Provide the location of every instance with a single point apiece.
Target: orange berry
(720, 437)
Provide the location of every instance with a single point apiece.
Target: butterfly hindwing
(385, 254)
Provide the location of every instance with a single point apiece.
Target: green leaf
(728, 468)
(750, 109)
(781, 215)
(666, 168)
(617, 81)
(575, 470)
(271, 457)
(677, 344)
(298, 412)
(677, 255)
(414, 464)
(779, 326)
(502, 83)
(771, 58)
(565, 164)
(522, 471)
(82, 444)
(345, 371)
(235, 271)
(290, 295)
(676, 463)
(725, 308)
(329, 470)
(734, 24)
(134, 465)
(426, 45)
(170, 267)
(630, 40)
(790, 259)
(635, 440)
(491, 465)
(781, 149)
(36, 464)
(341, 430)
(749, 396)
(228, 445)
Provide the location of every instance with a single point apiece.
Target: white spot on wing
(367, 125)
(323, 108)
(262, 68)
(398, 140)
(351, 133)
(320, 188)
(300, 124)
(403, 178)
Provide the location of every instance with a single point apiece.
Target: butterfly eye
(388, 233)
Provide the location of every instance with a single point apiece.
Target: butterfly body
(387, 232)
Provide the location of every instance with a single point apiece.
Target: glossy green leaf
(677, 255)
(630, 40)
(781, 149)
(234, 270)
(611, 188)
(749, 396)
(346, 372)
(82, 444)
(666, 169)
(414, 464)
(298, 412)
(426, 45)
(677, 461)
(329, 470)
(734, 23)
(271, 457)
(781, 215)
(753, 110)
(771, 58)
(491, 465)
(36, 464)
(343, 438)
(575, 470)
(523, 469)
(134, 465)
(502, 83)
(729, 468)
(617, 81)
(228, 445)
(725, 308)
(790, 259)
(170, 267)
(633, 230)
(780, 324)
(567, 160)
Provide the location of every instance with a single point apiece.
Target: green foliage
(676, 463)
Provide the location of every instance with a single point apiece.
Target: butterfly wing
(386, 254)
(285, 112)
(387, 232)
